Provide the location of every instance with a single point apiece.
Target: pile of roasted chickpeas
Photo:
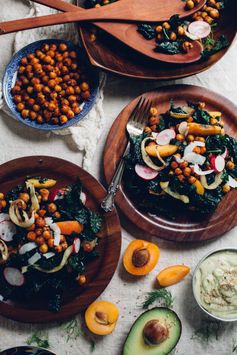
(209, 12)
(50, 86)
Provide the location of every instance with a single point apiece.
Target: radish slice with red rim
(13, 276)
(225, 154)
(165, 136)
(83, 197)
(201, 172)
(217, 163)
(200, 29)
(145, 172)
(7, 230)
(232, 182)
(76, 245)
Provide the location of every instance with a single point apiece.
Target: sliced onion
(183, 128)
(232, 182)
(225, 154)
(214, 185)
(146, 157)
(195, 158)
(83, 197)
(27, 247)
(178, 159)
(17, 219)
(201, 172)
(49, 221)
(34, 258)
(176, 195)
(3, 250)
(34, 200)
(49, 255)
(66, 255)
(191, 146)
(199, 29)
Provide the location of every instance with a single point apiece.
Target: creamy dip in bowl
(215, 284)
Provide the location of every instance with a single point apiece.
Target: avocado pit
(154, 333)
(140, 257)
(101, 318)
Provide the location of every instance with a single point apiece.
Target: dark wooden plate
(98, 272)
(183, 228)
(111, 55)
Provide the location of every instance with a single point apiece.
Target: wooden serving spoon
(127, 34)
(132, 11)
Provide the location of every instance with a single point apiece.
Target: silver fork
(134, 127)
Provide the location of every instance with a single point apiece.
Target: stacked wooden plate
(109, 54)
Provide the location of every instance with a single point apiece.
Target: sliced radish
(195, 158)
(76, 245)
(232, 182)
(183, 128)
(201, 29)
(34, 258)
(56, 194)
(4, 217)
(225, 154)
(217, 163)
(201, 172)
(49, 255)
(83, 198)
(165, 136)
(145, 172)
(13, 276)
(7, 230)
(27, 247)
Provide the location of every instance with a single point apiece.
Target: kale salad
(183, 161)
(47, 238)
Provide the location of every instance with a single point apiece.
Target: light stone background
(127, 292)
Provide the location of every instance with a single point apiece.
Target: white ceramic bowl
(223, 319)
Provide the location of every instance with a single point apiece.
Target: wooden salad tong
(132, 11)
(128, 34)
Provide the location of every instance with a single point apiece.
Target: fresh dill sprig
(162, 295)
(72, 329)
(234, 350)
(209, 329)
(39, 338)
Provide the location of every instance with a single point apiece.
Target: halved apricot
(101, 317)
(141, 257)
(172, 275)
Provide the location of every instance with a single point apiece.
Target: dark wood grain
(98, 272)
(131, 38)
(134, 11)
(183, 228)
(110, 55)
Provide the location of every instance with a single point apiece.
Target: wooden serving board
(110, 55)
(183, 228)
(99, 271)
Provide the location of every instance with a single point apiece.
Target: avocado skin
(146, 349)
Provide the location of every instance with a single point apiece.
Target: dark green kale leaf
(135, 155)
(221, 43)
(176, 109)
(55, 302)
(201, 116)
(169, 47)
(147, 31)
(175, 21)
(95, 221)
(76, 263)
(14, 193)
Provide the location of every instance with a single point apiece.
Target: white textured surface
(124, 290)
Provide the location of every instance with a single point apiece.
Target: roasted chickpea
(190, 138)
(40, 222)
(70, 90)
(85, 95)
(209, 19)
(24, 61)
(44, 248)
(174, 165)
(50, 242)
(73, 55)
(53, 47)
(62, 47)
(178, 171)
(81, 279)
(166, 25)
(2, 196)
(58, 248)
(57, 214)
(59, 58)
(187, 171)
(180, 137)
(74, 66)
(52, 207)
(192, 180)
(58, 88)
(20, 106)
(47, 235)
(24, 196)
(31, 228)
(64, 70)
(55, 120)
(63, 119)
(187, 46)
(64, 246)
(180, 30)
(45, 47)
(230, 165)
(25, 113)
(16, 89)
(31, 236)
(159, 29)
(147, 129)
(173, 36)
(183, 165)
(197, 150)
(3, 204)
(226, 188)
(40, 241)
(87, 247)
(36, 108)
(181, 178)
(70, 114)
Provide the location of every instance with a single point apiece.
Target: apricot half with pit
(101, 317)
(141, 257)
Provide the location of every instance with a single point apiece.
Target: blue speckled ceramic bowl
(10, 78)
(26, 350)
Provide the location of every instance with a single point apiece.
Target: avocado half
(135, 343)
